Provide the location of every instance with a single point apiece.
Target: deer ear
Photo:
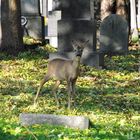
(73, 44)
(73, 41)
(86, 42)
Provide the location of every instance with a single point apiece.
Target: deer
(64, 69)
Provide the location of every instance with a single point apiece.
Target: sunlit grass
(110, 98)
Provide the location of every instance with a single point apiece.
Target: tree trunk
(12, 39)
(107, 8)
(121, 8)
(113, 7)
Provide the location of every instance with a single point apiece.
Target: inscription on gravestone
(114, 35)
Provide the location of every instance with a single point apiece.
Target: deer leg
(69, 93)
(54, 91)
(73, 90)
(46, 78)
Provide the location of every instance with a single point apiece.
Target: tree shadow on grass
(60, 132)
(124, 63)
(120, 99)
(15, 87)
(33, 54)
(8, 136)
(44, 132)
(89, 99)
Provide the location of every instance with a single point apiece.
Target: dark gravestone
(35, 26)
(73, 8)
(77, 23)
(69, 30)
(94, 59)
(30, 7)
(88, 58)
(114, 35)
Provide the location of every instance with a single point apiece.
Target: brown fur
(62, 69)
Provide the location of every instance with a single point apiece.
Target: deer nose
(79, 53)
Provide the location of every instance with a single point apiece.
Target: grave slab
(79, 122)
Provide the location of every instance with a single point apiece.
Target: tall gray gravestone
(77, 23)
(114, 35)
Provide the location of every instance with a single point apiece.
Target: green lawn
(110, 98)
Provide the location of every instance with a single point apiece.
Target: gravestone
(30, 9)
(35, 26)
(77, 23)
(114, 35)
(53, 17)
(79, 122)
(73, 9)
(69, 30)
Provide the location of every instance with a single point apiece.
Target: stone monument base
(94, 59)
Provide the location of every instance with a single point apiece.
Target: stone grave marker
(79, 122)
(114, 35)
(73, 9)
(77, 23)
(30, 7)
(69, 30)
(53, 17)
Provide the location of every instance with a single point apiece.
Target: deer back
(62, 69)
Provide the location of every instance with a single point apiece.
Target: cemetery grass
(110, 98)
